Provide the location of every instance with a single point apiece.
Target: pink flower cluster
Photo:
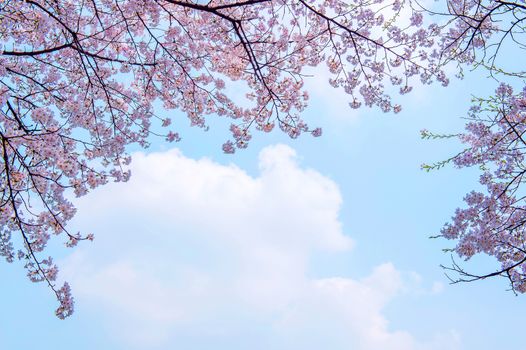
(478, 30)
(494, 222)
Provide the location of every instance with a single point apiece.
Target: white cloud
(437, 288)
(191, 249)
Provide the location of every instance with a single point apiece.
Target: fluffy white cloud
(202, 255)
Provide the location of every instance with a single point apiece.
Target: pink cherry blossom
(494, 221)
(80, 81)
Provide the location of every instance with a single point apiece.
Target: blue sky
(314, 243)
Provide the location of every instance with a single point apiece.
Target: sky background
(313, 243)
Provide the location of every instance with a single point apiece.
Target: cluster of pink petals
(494, 222)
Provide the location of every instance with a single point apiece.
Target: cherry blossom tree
(494, 221)
(80, 81)
(479, 29)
